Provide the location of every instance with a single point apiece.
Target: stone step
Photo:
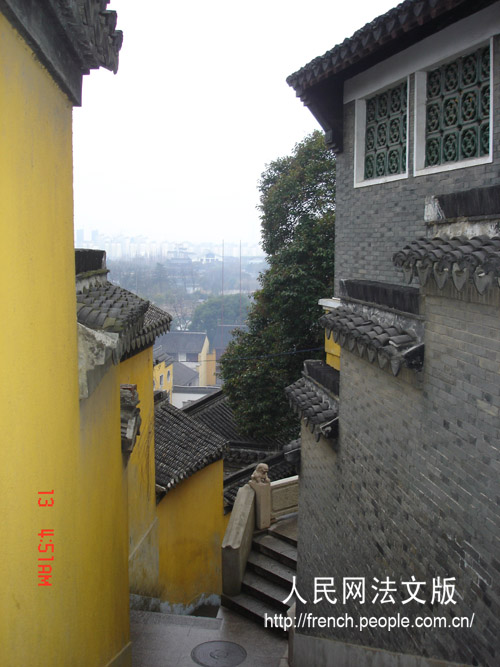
(271, 569)
(277, 549)
(256, 610)
(267, 591)
(285, 529)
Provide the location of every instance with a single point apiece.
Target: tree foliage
(228, 309)
(283, 330)
(294, 189)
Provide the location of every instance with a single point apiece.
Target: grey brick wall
(374, 222)
(413, 488)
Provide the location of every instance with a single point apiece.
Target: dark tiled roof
(107, 307)
(230, 494)
(216, 413)
(93, 32)
(279, 468)
(160, 356)
(183, 375)
(314, 405)
(292, 451)
(156, 321)
(182, 445)
(292, 446)
(160, 395)
(385, 343)
(224, 334)
(462, 259)
(398, 29)
(238, 457)
(189, 342)
(326, 376)
(69, 37)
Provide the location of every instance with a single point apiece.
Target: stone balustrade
(257, 505)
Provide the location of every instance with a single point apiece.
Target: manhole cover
(218, 654)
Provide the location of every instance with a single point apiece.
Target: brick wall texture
(413, 486)
(374, 222)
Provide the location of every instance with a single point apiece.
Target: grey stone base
(144, 603)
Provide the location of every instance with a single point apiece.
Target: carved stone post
(261, 484)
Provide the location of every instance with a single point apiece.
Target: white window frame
(360, 133)
(419, 168)
(472, 32)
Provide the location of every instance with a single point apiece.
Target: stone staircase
(271, 566)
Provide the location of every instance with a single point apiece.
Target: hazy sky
(173, 145)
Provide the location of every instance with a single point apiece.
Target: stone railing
(284, 497)
(257, 505)
(237, 541)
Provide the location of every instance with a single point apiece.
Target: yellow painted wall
(332, 350)
(191, 528)
(211, 366)
(143, 536)
(103, 522)
(169, 378)
(167, 370)
(203, 369)
(79, 620)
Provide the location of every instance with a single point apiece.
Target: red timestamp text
(46, 542)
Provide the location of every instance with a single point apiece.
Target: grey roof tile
(107, 307)
(159, 356)
(215, 412)
(462, 259)
(387, 344)
(189, 342)
(398, 28)
(182, 445)
(279, 468)
(314, 404)
(183, 376)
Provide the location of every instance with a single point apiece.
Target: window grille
(385, 136)
(458, 110)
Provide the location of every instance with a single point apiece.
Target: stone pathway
(165, 640)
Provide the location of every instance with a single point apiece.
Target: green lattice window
(385, 136)
(458, 110)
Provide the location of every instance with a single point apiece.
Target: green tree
(229, 309)
(294, 189)
(283, 330)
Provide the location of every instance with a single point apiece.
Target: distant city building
(120, 246)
